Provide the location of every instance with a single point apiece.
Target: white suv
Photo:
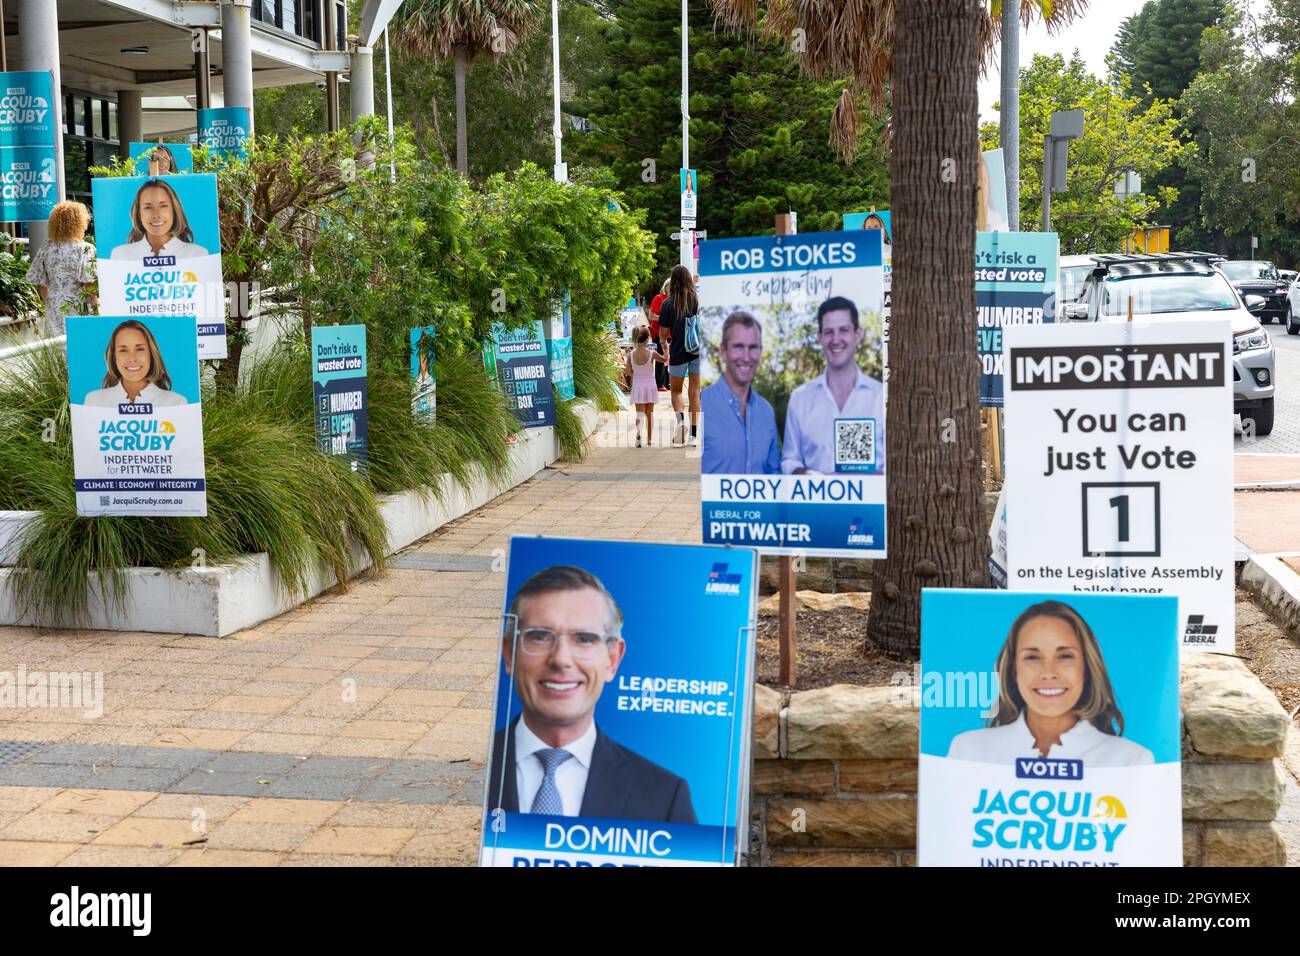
(1186, 285)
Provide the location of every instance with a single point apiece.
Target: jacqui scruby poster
(158, 250)
(137, 422)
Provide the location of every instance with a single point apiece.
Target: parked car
(1292, 304)
(1187, 285)
(1071, 273)
(1259, 277)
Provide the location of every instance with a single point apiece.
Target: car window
(1242, 271)
(1072, 282)
(1168, 292)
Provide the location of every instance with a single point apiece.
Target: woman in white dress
(1055, 698)
(158, 226)
(136, 372)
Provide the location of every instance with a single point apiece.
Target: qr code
(855, 441)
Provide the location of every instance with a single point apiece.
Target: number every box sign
(1119, 451)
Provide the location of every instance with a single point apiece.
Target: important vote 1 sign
(1119, 465)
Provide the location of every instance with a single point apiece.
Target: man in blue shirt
(739, 424)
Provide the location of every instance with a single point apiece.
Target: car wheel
(1262, 417)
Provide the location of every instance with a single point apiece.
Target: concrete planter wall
(216, 601)
(835, 772)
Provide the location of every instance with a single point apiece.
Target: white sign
(690, 198)
(1119, 450)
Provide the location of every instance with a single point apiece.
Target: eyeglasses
(583, 645)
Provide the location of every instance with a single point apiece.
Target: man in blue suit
(555, 759)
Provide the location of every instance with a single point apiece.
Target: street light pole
(1010, 107)
(561, 172)
(686, 249)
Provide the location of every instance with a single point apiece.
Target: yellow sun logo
(1110, 808)
(191, 277)
(168, 428)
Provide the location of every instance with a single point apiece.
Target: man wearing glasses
(564, 646)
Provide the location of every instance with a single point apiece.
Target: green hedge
(342, 244)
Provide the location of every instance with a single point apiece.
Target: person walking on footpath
(659, 335)
(64, 269)
(641, 365)
(680, 314)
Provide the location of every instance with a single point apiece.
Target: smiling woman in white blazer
(136, 371)
(158, 226)
(1055, 698)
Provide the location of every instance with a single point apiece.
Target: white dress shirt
(151, 393)
(810, 423)
(570, 776)
(172, 247)
(1083, 742)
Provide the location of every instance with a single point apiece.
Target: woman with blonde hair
(1055, 698)
(64, 268)
(158, 226)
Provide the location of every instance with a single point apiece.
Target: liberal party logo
(857, 533)
(1198, 632)
(721, 582)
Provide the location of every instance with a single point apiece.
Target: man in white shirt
(836, 422)
(553, 759)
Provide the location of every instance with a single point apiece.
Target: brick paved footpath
(352, 730)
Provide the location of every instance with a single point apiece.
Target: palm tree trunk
(462, 147)
(936, 525)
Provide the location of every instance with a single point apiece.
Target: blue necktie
(548, 796)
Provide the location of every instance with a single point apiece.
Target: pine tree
(759, 130)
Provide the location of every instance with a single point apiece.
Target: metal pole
(388, 105)
(1047, 182)
(1010, 108)
(202, 71)
(561, 174)
(331, 76)
(361, 94)
(686, 249)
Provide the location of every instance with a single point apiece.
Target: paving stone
(305, 786)
(74, 753)
(154, 779)
(181, 757)
(269, 810)
(253, 763)
(226, 784)
(366, 767)
(281, 837)
(44, 775)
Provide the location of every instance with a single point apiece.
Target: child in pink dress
(641, 370)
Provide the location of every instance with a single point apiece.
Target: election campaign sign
(137, 422)
(424, 385)
(1015, 284)
(879, 219)
(993, 192)
(690, 188)
(168, 157)
(519, 361)
(1049, 730)
(559, 346)
(338, 385)
(28, 158)
(225, 131)
(797, 316)
(158, 251)
(629, 318)
(616, 741)
(1119, 451)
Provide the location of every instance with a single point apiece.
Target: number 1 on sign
(1120, 504)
